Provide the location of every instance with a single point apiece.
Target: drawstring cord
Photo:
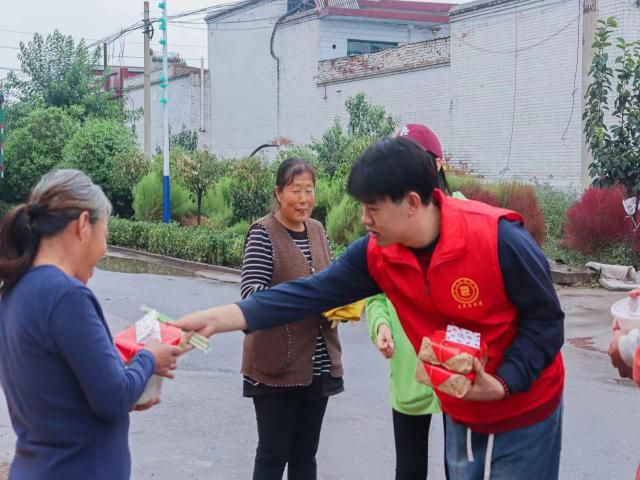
(488, 455)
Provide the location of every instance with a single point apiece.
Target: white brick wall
(337, 32)
(484, 77)
(472, 103)
(184, 107)
(243, 79)
(415, 97)
(243, 74)
(297, 46)
(308, 109)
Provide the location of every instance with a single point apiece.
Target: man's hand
(227, 318)
(485, 386)
(384, 341)
(196, 322)
(624, 370)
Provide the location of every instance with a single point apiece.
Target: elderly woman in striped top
(290, 371)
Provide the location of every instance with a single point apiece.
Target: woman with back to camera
(69, 394)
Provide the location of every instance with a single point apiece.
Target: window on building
(301, 5)
(358, 47)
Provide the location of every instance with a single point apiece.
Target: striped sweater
(257, 270)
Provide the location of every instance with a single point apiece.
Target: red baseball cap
(423, 137)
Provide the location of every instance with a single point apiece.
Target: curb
(203, 270)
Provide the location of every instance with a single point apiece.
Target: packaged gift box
(445, 360)
(454, 349)
(455, 384)
(132, 339)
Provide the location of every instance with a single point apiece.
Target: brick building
(187, 109)
(500, 81)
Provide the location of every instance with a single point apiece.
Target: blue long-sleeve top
(527, 279)
(68, 392)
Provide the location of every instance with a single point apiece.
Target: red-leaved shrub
(597, 220)
(522, 198)
(475, 191)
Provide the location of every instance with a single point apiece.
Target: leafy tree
(252, 188)
(337, 148)
(615, 144)
(61, 73)
(331, 148)
(148, 199)
(96, 149)
(35, 147)
(185, 139)
(367, 119)
(216, 204)
(128, 169)
(198, 171)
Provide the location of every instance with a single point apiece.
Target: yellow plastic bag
(351, 312)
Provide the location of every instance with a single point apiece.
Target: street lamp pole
(164, 84)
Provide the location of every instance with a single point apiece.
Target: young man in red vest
(444, 261)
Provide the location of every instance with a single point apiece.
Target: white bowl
(627, 313)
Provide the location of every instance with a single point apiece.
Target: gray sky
(92, 20)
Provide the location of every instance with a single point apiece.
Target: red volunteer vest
(463, 287)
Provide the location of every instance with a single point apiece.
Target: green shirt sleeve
(377, 313)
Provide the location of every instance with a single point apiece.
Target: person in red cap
(428, 140)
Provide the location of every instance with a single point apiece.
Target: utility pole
(148, 34)
(589, 26)
(104, 58)
(164, 84)
(202, 129)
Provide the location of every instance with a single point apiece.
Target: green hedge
(217, 247)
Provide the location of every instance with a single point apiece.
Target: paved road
(204, 429)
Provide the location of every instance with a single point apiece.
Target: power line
(242, 29)
(575, 73)
(515, 90)
(250, 20)
(33, 33)
(200, 21)
(523, 49)
(117, 56)
(134, 43)
(140, 23)
(115, 36)
(204, 10)
(174, 44)
(204, 29)
(16, 31)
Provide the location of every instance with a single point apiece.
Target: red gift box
(455, 384)
(453, 356)
(127, 343)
